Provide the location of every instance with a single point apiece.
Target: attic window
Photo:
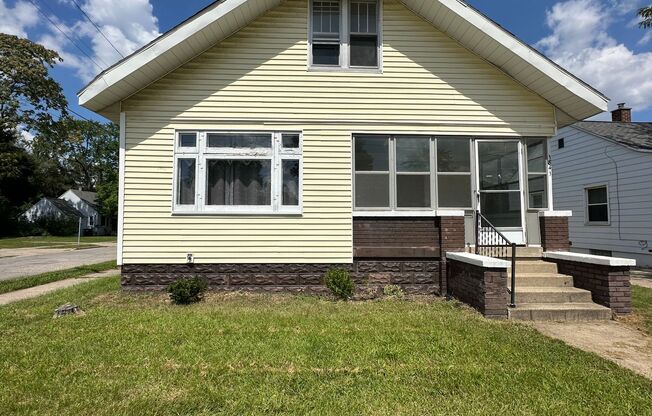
(345, 34)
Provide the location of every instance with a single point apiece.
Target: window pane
(599, 213)
(238, 182)
(371, 154)
(537, 191)
(371, 190)
(536, 156)
(363, 17)
(364, 50)
(239, 141)
(454, 191)
(291, 141)
(187, 139)
(412, 154)
(326, 54)
(502, 209)
(290, 182)
(413, 191)
(498, 165)
(453, 155)
(597, 195)
(326, 17)
(186, 181)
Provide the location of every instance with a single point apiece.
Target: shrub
(187, 290)
(393, 290)
(340, 283)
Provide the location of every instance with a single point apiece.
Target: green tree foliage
(29, 99)
(645, 13)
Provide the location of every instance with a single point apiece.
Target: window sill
(599, 224)
(259, 213)
(370, 70)
(424, 213)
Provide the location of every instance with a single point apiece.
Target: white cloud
(645, 39)
(581, 43)
(14, 20)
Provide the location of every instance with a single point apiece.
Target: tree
(645, 13)
(28, 98)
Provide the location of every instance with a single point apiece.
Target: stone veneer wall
(554, 233)
(609, 285)
(483, 288)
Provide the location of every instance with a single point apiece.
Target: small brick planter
(484, 288)
(609, 284)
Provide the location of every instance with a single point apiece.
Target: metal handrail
(496, 245)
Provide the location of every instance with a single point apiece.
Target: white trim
(555, 213)
(477, 260)
(428, 213)
(587, 220)
(589, 258)
(121, 187)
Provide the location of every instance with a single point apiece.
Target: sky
(597, 40)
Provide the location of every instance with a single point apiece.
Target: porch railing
(492, 243)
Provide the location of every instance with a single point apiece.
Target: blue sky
(597, 40)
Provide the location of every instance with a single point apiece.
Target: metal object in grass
(67, 309)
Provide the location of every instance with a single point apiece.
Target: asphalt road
(19, 263)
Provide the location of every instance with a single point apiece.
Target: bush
(393, 291)
(187, 290)
(340, 283)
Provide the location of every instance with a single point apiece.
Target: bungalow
(264, 141)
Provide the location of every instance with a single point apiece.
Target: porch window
(345, 34)
(454, 173)
(240, 173)
(597, 205)
(537, 174)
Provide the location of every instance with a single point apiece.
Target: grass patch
(52, 242)
(41, 279)
(274, 354)
(641, 318)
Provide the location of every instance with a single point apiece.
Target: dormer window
(345, 34)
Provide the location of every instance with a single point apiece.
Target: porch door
(500, 196)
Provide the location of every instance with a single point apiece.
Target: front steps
(542, 294)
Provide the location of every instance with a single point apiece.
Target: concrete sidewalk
(31, 261)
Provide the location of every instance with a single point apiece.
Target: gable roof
(64, 207)
(574, 99)
(636, 136)
(88, 196)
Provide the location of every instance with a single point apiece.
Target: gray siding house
(602, 172)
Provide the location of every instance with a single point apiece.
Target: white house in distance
(602, 172)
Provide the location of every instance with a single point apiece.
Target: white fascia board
(477, 260)
(165, 43)
(525, 52)
(589, 258)
(555, 213)
(430, 213)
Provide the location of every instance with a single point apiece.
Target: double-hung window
(537, 174)
(411, 173)
(345, 34)
(237, 172)
(597, 205)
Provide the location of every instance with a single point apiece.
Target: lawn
(273, 354)
(642, 303)
(41, 279)
(53, 242)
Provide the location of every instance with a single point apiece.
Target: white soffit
(491, 42)
(574, 99)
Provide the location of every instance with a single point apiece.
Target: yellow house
(264, 141)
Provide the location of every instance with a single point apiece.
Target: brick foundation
(417, 276)
(554, 233)
(483, 288)
(451, 235)
(609, 285)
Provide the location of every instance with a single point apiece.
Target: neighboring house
(603, 173)
(73, 203)
(262, 142)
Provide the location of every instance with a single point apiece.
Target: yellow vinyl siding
(258, 80)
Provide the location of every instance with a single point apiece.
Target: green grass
(642, 303)
(136, 354)
(53, 242)
(40, 279)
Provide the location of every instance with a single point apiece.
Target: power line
(98, 29)
(77, 114)
(65, 34)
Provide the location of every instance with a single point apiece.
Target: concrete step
(541, 280)
(560, 312)
(529, 252)
(535, 266)
(552, 295)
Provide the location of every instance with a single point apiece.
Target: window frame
(587, 220)
(345, 45)
(546, 174)
(393, 173)
(202, 154)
